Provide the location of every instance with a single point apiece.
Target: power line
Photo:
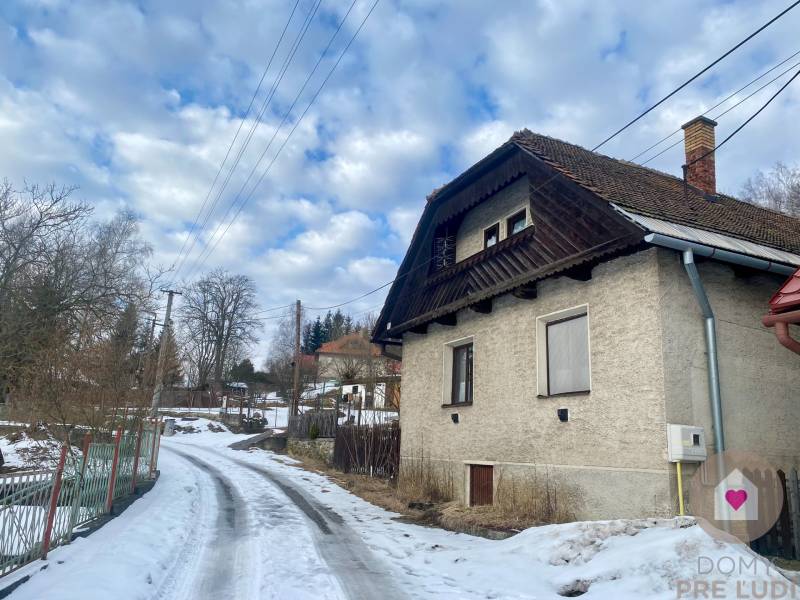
(691, 79)
(742, 126)
(287, 61)
(233, 141)
(246, 198)
(726, 111)
(721, 102)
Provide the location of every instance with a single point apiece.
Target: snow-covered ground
(22, 451)
(249, 524)
(278, 416)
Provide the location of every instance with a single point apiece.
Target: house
(558, 308)
(368, 379)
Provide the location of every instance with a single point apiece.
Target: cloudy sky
(136, 103)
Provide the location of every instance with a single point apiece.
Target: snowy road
(222, 524)
(226, 569)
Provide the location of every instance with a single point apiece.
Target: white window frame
(519, 209)
(447, 369)
(541, 346)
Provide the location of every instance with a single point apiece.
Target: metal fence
(40, 510)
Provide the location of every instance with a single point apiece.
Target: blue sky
(137, 102)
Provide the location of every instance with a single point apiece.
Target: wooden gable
(572, 230)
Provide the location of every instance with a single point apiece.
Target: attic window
(491, 235)
(516, 222)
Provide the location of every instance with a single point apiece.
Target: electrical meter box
(686, 443)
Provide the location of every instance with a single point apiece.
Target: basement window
(491, 235)
(516, 222)
(563, 353)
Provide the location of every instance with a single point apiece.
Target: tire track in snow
(349, 558)
(222, 571)
(188, 555)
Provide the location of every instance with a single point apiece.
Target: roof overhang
(781, 261)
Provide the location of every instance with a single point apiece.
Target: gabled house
(557, 308)
(368, 379)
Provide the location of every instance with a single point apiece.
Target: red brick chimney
(698, 137)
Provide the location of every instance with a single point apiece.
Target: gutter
(781, 324)
(689, 250)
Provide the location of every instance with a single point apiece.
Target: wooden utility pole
(296, 392)
(162, 354)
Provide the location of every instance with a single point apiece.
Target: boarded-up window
(568, 355)
(462, 374)
(481, 485)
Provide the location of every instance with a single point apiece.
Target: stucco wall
(613, 449)
(759, 378)
(469, 239)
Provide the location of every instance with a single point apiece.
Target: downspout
(781, 324)
(709, 324)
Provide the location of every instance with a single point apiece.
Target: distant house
(557, 308)
(367, 377)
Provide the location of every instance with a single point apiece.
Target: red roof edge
(788, 296)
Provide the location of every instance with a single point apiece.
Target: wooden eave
(572, 227)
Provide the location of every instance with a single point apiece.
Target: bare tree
(70, 294)
(218, 318)
(779, 189)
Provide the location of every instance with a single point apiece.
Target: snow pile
(607, 560)
(22, 451)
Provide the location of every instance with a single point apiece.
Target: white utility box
(686, 443)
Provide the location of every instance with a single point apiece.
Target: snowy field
(234, 524)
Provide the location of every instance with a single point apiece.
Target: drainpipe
(711, 347)
(781, 324)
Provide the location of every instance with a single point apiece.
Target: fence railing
(40, 510)
(372, 450)
(313, 424)
(783, 539)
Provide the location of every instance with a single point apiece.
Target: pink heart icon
(736, 498)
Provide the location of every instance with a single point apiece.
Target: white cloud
(136, 103)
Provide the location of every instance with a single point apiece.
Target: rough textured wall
(613, 449)
(503, 204)
(760, 378)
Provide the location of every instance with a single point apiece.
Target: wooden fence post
(794, 509)
(113, 480)
(138, 447)
(51, 513)
(158, 444)
(153, 449)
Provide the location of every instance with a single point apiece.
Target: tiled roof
(656, 194)
(788, 297)
(353, 343)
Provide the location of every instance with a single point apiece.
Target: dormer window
(516, 222)
(491, 235)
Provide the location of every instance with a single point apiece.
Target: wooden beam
(449, 320)
(420, 328)
(526, 291)
(484, 306)
(580, 272)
